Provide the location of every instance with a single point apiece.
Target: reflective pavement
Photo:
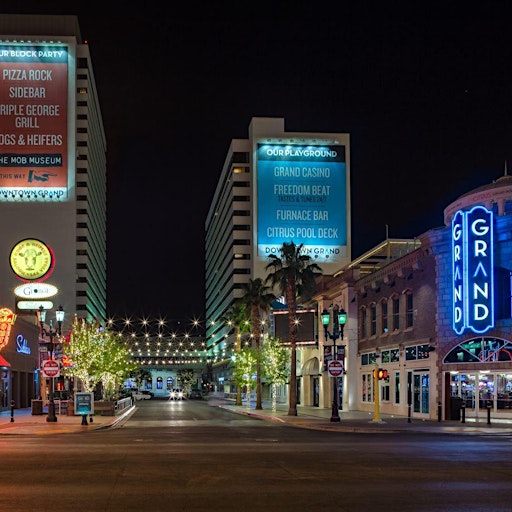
(23, 422)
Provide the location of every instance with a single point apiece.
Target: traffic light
(382, 374)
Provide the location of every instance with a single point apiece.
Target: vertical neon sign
(473, 270)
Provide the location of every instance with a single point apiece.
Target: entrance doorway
(420, 393)
(479, 390)
(316, 391)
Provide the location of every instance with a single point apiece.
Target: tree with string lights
(237, 317)
(94, 355)
(257, 298)
(244, 365)
(293, 274)
(275, 359)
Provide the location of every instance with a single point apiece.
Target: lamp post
(51, 333)
(339, 318)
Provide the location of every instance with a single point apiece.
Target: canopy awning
(4, 362)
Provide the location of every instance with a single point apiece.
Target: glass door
(421, 392)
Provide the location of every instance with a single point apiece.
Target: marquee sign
(473, 270)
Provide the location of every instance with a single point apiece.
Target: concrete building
(275, 187)
(53, 171)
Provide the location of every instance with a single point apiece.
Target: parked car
(176, 394)
(141, 395)
(195, 394)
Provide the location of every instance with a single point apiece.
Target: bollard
(12, 411)
(463, 411)
(439, 411)
(489, 405)
(84, 419)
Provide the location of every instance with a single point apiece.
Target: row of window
(379, 318)
(412, 353)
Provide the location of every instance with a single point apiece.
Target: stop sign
(50, 368)
(335, 368)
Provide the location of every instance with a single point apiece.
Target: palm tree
(294, 275)
(237, 317)
(257, 298)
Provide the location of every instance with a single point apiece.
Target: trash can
(37, 407)
(455, 407)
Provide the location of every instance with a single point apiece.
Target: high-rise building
(275, 187)
(53, 186)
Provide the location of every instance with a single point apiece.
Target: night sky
(424, 92)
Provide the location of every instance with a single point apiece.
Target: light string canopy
(160, 342)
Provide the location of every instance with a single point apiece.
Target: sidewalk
(26, 423)
(365, 422)
(307, 417)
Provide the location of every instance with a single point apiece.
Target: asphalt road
(191, 456)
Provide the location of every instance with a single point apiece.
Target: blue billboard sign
(302, 197)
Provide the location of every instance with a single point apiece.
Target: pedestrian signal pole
(376, 394)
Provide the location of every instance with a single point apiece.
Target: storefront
(479, 371)
(19, 365)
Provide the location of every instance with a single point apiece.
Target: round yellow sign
(31, 259)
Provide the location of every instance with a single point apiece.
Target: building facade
(53, 182)
(275, 187)
(437, 318)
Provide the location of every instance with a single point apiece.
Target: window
(396, 313)
(397, 387)
(369, 358)
(384, 389)
(159, 383)
(367, 387)
(373, 320)
(417, 352)
(363, 323)
(384, 315)
(409, 310)
(390, 356)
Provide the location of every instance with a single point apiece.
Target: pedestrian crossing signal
(382, 374)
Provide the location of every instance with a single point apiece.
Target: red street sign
(50, 368)
(335, 368)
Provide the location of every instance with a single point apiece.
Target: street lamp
(52, 333)
(339, 318)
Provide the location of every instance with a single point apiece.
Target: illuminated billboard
(302, 197)
(33, 121)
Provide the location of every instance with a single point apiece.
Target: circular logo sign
(31, 259)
